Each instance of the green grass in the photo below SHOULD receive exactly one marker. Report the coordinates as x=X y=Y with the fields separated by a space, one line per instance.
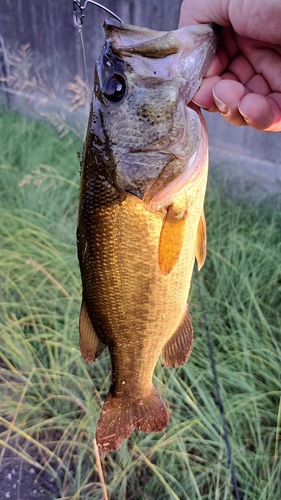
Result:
x=50 y=399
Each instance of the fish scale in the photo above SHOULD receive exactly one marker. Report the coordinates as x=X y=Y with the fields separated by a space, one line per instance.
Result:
x=137 y=245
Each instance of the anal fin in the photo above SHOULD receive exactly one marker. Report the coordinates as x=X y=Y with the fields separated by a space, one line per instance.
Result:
x=201 y=242
x=90 y=345
x=171 y=239
x=178 y=348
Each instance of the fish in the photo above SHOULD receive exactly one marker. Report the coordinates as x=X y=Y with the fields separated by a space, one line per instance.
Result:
x=141 y=221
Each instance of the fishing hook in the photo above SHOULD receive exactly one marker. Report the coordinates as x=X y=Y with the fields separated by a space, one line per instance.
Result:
x=78 y=11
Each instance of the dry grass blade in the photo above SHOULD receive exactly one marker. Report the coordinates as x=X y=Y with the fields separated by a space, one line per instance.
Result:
x=49 y=276
x=16 y=414
x=277 y=438
x=50 y=421
x=101 y=475
x=26 y=81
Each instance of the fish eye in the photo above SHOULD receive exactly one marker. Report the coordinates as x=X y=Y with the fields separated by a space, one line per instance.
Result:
x=114 y=88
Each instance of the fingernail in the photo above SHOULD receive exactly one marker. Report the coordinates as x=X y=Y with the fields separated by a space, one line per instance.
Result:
x=196 y=103
x=222 y=107
x=200 y=106
x=246 y=118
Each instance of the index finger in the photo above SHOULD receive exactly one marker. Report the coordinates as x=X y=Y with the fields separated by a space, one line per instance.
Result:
x=213 y=11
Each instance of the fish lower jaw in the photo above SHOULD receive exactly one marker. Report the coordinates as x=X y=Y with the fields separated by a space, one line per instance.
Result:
x=195 y=169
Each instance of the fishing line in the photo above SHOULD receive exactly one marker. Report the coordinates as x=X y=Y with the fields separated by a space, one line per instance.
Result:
x=84 y=59
x=218 y=393
x=78 y=16
x=4 y=70
x=78 y=11
x=78 y=21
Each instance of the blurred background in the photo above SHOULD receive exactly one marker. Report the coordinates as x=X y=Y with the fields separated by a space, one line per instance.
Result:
x=50 y=399
x=42 y=41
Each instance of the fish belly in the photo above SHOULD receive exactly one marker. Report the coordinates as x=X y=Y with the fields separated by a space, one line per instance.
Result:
x=134 y=308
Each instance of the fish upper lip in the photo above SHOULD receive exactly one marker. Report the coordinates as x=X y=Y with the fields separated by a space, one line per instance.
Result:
x=129 y=39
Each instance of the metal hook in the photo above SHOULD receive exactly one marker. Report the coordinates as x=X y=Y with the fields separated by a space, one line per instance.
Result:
x=78 y=11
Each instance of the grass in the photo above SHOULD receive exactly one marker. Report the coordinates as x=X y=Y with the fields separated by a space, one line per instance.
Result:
x=50 y=400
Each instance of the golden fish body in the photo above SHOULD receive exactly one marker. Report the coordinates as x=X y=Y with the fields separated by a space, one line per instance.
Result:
x=141 y=222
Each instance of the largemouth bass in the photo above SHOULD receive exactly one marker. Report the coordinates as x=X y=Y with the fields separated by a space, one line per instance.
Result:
x=141 y=222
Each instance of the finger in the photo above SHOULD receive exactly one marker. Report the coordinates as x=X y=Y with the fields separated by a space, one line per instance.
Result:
x=227 y=94
x=265 y=59
x=241 y=68
x=246 y=20
x=258 y=85
x=204 y=96
x=219 y=63
x=228 y=40
x=212 y=11
x=262 y=112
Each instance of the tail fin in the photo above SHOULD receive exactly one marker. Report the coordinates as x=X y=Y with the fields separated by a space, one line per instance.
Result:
x=120 y=416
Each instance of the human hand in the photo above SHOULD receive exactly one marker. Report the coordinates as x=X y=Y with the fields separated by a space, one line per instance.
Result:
x=243 y=82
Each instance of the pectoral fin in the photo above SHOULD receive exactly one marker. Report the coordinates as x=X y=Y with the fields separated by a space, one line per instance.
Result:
x=201 y=242
x=178 y=348
x=90 y=345
x=171 y=239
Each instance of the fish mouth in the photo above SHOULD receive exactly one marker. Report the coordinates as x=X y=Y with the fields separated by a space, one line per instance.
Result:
x=171 y=66
x=129 y=39
x=165 y=55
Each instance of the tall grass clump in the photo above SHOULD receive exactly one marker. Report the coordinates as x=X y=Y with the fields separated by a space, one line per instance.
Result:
x=50 y=399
